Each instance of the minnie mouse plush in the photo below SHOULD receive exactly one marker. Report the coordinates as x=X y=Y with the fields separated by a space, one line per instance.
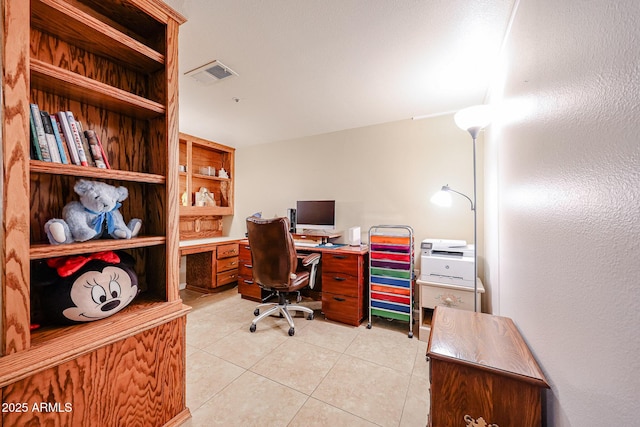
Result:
x=82 y=288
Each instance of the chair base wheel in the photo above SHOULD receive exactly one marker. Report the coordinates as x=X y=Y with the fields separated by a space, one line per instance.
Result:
x=310 y=316
x=368 y=325
x=252 y=328
x=256 y=312
x=291 y=331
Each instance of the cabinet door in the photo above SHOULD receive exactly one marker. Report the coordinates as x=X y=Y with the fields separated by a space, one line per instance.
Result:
x=202 y=269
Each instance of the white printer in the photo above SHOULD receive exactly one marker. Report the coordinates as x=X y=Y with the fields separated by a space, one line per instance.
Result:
x=447 y=261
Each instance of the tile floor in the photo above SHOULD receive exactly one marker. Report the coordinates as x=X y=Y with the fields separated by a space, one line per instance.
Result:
x=327 y=374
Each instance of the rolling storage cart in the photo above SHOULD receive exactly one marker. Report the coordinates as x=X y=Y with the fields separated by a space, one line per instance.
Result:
x=391 y=273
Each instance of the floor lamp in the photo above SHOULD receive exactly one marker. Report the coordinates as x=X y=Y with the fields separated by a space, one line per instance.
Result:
x=473 y=120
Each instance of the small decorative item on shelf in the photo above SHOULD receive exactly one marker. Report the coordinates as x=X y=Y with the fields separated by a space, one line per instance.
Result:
x=96 y=215
x=223 y=173
x=208 y=170
x=61 y=294
x=184 y=199
x=205 y=198
x=182 y=168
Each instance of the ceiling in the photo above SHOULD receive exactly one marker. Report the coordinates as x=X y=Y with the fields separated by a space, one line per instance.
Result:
x=307 y=67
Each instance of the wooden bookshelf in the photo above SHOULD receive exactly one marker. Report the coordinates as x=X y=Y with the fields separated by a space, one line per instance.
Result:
x=113 y=63
x=198 y=222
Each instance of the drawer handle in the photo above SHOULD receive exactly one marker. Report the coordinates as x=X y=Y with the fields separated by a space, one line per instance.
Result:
x=339 y=279
x=248 y=282
x=340 y=256
x=339 y=299
x=247 y=247
x=232 y=263
x=248 y=265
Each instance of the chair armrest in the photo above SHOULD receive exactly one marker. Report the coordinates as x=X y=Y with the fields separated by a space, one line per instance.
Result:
x=311 y=259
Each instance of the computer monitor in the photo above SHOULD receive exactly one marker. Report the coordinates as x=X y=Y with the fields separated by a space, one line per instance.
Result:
x=316 y=214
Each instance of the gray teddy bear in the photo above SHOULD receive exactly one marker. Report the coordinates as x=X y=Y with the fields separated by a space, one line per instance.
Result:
x=94 y=216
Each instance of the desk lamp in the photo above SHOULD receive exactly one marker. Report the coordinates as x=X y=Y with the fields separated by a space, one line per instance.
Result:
x=472 y=119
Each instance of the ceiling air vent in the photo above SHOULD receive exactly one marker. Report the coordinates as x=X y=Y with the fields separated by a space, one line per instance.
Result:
x=211 y=72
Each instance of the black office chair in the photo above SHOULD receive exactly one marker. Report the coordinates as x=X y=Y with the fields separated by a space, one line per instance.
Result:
x=275 y=267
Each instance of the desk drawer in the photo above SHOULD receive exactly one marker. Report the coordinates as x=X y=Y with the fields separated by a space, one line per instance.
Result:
x=245 y=269
x=340 y=283
x=227 y=277
x=248 y=289
x=245 y=252
x=342 y=308
x=431 y=296
x=340 y=263
x=225 y=264
x=228 y=250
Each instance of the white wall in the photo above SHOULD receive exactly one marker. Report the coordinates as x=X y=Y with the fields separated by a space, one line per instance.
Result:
x=563 y=193
x=383 y=174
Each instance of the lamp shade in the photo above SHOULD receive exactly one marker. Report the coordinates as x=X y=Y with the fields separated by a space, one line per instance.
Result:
x=476 y=117
x=441 y=198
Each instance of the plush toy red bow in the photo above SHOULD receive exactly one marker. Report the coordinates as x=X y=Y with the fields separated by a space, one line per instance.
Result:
x=66 y=266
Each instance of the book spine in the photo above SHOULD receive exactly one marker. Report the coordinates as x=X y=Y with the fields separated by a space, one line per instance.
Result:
x=62 y=143
x=85 y=144
x=56 y=134
x=68 y=136
x=37 y=154
x=103 y=151
x=42 y=139
x=76 y=137
x=51 y=139
x=95 y=148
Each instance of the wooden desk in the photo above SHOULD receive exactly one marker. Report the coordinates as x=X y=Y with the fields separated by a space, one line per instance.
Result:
x=211 y=265
x=480 y=367
x=340 y=280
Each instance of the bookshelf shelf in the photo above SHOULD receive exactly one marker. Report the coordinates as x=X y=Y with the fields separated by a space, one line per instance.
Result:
x=38 y=166
x=45 y=250
x=74 y=86
x=78 y=27
x=212 y=178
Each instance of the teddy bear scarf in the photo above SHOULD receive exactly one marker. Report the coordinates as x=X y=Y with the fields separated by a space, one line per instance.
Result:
x=101 y=217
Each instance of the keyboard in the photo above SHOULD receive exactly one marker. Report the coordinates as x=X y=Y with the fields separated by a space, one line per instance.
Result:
x=306 y=244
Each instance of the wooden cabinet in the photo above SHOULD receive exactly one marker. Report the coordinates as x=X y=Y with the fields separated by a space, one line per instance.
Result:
x=113 y=63
x=433 y=294
x=344 y=295
x=202 y=162
x=211 y=265
x=482 y=372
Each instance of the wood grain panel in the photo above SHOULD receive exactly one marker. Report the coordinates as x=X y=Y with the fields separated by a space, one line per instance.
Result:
x=494 y=344
x=459 y=391
x=51 y=50
x=14 y=141
x=136 y=381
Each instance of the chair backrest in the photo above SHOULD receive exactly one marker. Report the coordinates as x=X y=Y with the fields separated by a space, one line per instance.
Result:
x=273 y=253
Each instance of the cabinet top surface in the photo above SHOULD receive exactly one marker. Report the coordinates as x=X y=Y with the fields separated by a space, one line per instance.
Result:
x=484 y=341
x=357 y=250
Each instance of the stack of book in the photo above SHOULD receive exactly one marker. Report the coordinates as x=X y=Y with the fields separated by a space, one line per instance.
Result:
x=60 y=138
